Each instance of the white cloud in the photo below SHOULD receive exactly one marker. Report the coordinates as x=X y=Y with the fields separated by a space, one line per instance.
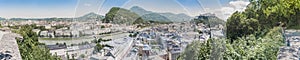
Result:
x=226 y=11
x=239 y=5
x=87 y=4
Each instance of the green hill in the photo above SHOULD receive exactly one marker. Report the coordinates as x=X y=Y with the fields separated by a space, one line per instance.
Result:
x=177 y=17
x=118 y=15
x=270 y=14
x=156 y=18
x=140 y=11
x=170 y=16
x=90 y=16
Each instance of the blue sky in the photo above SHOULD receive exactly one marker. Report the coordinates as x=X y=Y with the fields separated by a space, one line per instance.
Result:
x=75 y=8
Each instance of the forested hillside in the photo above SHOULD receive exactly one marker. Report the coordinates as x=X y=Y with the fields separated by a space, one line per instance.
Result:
x=118 y=15
x=263 y=15
x=30 y=48
x=160 y=17
x=255 y=33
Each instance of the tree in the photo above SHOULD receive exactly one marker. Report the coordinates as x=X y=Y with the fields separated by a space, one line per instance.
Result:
x=263 y=15
x=196 y=51
x=82 y=56
x=249 y=47
x=68 y=56
x=98 y=48
x=252 y=34
x=238 y=26
x=130 y=35
x=1 y=26
x=102 y=26
x=73 y=57
x=30 y=48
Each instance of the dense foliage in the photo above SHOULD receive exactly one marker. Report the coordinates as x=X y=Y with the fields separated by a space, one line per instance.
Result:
x=244 y=48
x=33 y=26
x=98 y=48
x=30 y=48
x=261 y=15
x=100 y=40
x=1 y=26
x=252 y=34
x=251 y=47
x=155 y=17
x=196 y=51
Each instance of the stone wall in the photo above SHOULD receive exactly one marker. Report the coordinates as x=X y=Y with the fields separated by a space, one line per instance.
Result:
x=8 y=46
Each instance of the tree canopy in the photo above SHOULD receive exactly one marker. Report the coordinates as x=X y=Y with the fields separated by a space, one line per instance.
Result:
x=255 y=33
x=30 y=48
x=243 y=48
x=263 y=15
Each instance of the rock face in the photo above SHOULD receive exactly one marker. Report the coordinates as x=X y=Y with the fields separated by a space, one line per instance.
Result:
x=8 y=46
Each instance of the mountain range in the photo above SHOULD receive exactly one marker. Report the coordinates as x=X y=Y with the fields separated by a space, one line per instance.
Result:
x=119 y=15
x=135 y=15
x=155 y=18
x=161 y=16
x=2 y=18
x=89 y=16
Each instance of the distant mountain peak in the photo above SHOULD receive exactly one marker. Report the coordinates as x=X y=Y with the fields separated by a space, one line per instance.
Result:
x=208 y=14
x=90 y=16
x=91 y=13
x=136 y=7
x=181 y=17
x=2 y=18
x=182 y=14
x=139 y=10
